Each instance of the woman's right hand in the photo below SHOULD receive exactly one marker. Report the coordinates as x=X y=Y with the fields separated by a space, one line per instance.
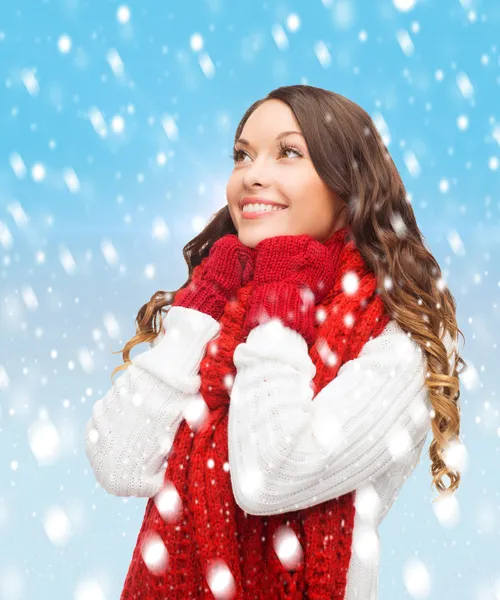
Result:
x=229 y=266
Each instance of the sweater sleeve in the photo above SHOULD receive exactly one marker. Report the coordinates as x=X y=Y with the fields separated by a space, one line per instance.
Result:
x=131 y=430
x=289 y=452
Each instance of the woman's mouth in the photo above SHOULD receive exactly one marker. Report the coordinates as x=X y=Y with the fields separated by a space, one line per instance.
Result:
x=252 y=211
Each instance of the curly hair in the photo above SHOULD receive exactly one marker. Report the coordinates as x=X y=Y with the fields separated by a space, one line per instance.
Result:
x=350 y=156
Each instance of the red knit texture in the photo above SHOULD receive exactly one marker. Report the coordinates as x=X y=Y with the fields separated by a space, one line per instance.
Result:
x=292 y=274
x=218 y=279
x=211 y=525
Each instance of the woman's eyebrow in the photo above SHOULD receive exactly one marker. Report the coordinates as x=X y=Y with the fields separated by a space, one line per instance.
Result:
x=278 y=137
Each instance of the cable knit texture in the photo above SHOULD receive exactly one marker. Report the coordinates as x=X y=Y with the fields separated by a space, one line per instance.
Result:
x=210 y=528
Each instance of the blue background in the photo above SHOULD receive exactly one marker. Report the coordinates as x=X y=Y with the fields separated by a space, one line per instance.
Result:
x=80 y=258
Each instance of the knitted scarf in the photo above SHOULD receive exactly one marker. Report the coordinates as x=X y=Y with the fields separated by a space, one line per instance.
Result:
x=210 y=532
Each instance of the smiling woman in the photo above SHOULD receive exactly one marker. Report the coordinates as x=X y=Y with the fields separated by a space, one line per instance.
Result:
x=288 y=396
x=272 y=165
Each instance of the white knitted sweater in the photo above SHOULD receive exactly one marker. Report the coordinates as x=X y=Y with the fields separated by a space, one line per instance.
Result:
x=364 y=431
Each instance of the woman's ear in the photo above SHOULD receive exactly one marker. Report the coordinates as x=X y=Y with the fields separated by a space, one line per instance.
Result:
x=342 y=218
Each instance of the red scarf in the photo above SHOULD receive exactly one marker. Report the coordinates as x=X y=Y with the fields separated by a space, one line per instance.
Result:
x=211 y=530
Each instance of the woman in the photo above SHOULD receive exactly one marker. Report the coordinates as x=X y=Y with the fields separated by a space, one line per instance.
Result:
x=289 y=393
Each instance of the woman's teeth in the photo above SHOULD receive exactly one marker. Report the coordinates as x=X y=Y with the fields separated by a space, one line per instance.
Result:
x=261 y=208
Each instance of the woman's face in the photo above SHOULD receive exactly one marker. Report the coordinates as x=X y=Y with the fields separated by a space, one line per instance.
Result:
x=263 y=169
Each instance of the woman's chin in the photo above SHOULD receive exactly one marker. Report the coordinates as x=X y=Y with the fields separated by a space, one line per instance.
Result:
x=250 y=243
x=251 y=239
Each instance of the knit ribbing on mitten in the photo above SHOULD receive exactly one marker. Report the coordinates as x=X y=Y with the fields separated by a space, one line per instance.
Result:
x=203 y=296
x=292 y=304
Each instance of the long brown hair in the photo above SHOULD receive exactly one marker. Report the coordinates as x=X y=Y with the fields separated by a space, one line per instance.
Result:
x=350 y=156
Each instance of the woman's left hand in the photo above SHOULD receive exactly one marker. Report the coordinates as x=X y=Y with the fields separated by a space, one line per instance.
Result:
x=292 y=274
x=295 y=259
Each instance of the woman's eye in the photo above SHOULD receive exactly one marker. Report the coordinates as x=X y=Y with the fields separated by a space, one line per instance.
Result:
x=237 y=153
x=289 y=149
